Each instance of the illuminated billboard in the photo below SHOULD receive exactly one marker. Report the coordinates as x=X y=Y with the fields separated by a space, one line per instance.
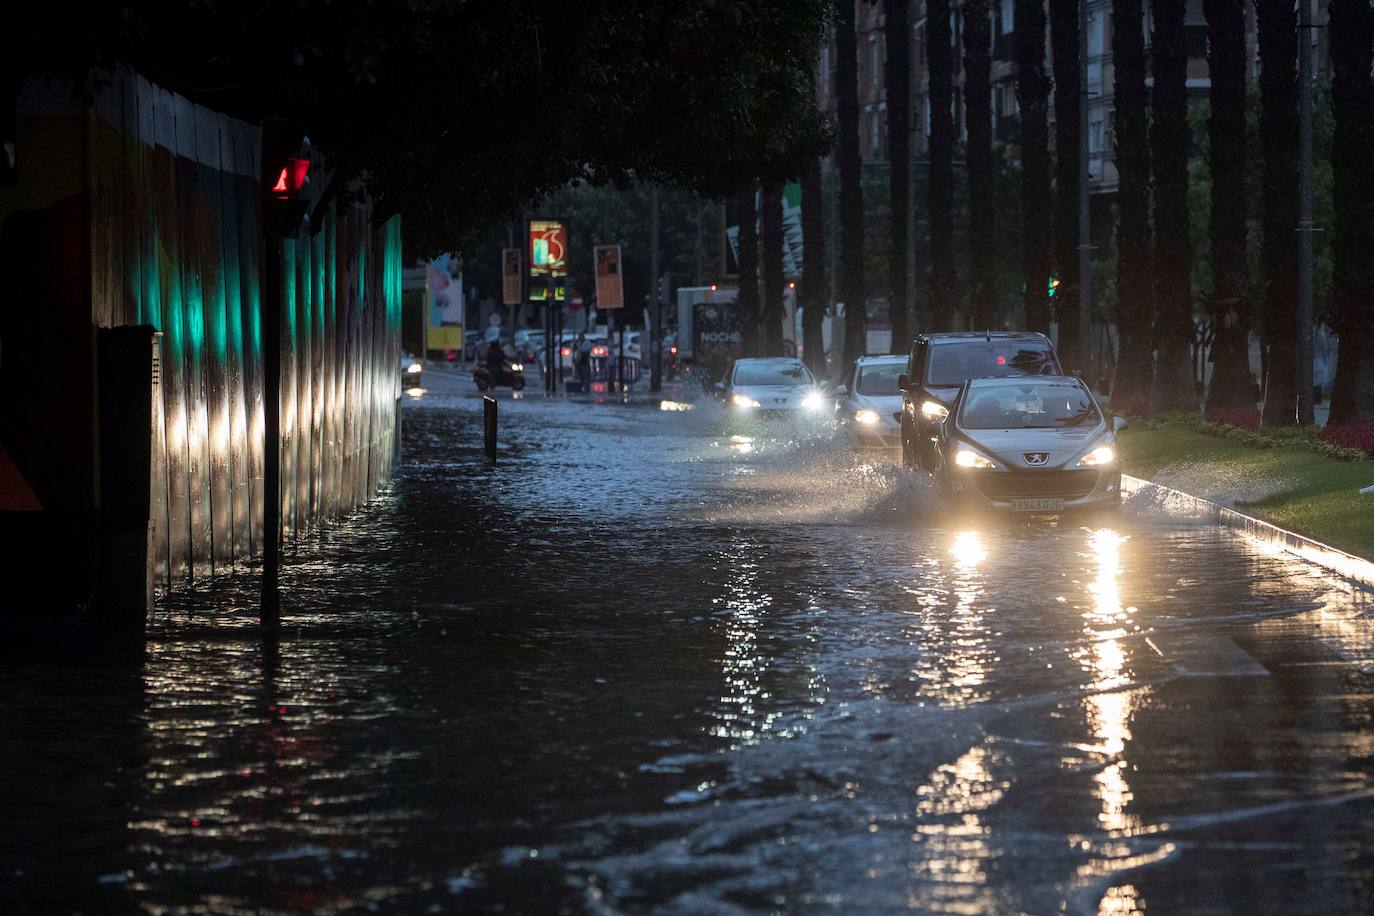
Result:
x=548 y=248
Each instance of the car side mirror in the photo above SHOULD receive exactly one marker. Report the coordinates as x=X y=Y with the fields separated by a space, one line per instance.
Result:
x=841 y=390
x=720 y=386
x=1118 y=424
x=903 y=382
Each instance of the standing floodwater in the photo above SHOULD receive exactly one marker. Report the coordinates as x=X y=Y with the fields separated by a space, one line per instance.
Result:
x=652 y=661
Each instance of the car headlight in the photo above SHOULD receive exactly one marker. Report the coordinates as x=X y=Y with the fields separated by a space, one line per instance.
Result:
x=967 y=458
x=934 y=410
x=867 y=417
x=414 y=367
x=813 y=400
x=743 y=400
x=1103 y=454
x=517 y=367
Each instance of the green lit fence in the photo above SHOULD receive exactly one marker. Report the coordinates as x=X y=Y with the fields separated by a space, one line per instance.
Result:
x=174 y=243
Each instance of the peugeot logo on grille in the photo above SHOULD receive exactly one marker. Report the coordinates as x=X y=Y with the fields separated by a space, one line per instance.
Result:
x=1036 y=458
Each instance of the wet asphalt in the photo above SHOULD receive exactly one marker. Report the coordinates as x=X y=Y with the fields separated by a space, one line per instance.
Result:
x=669 y=661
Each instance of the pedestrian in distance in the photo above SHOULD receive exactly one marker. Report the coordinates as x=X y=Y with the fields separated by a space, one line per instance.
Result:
x=584 y=362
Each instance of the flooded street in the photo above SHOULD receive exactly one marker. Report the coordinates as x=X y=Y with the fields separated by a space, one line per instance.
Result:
x=654 y=662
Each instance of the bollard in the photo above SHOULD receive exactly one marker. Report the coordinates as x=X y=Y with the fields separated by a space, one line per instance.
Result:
x=489 y=426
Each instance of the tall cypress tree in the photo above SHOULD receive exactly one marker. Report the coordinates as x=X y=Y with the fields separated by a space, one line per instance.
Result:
x=1278 y=46
x=1032 y=95
x=771 y=315
x=1169 y=146
x=852 y=285
x=1352 y=97
x=1228 y=309
x=1067 y=137
x=748 y=274
x=897 y=77
x=1134 y=300
x=813 y=269
x=982 y=240
x=940 y=190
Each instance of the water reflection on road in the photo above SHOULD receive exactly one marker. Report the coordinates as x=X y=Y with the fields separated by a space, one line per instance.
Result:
x=656 y=661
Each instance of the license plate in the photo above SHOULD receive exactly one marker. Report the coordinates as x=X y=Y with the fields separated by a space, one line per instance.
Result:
x=1038 y=505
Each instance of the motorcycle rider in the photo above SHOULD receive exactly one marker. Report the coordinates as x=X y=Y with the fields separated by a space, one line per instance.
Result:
x=496 y=360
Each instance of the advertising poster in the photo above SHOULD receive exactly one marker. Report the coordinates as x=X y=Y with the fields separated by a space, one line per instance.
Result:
x=510 y=276
x=444 y=304
x=610 y=288
x=548 y=248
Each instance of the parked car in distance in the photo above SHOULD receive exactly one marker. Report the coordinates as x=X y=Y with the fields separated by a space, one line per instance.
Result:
x=871 y=402
x=940 y=363
x=1029 y=445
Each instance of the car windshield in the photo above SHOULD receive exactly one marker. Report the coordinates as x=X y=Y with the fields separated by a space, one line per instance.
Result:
x=952 y=364
x=1029 y=406
x=880 y=379
x=794 y=374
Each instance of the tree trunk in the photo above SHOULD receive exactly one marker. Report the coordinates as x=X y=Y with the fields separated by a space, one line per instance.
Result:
x=852 y=286
x=1228 y=309
x=982 y=239
x=813 y=283
x=1352 y=99
x=1134 y=302
x=1067 y=138
x=1169 y=146
x=939 y=57
x=773 y=311
x=898 y=79
x=1279 y=140
x=1032 y=95
x=748 y=275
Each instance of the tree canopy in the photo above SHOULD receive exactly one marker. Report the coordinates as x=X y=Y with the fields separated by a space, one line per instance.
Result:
x=457 y=112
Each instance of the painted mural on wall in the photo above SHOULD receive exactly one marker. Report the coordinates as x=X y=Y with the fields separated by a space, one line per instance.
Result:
x=174 y=243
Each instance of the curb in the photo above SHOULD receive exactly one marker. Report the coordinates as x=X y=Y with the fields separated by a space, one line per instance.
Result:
x=1175 y=502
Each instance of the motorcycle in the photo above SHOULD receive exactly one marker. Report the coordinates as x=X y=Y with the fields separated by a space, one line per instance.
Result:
x=512 y=375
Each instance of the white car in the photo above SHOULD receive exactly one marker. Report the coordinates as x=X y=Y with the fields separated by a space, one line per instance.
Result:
x=774 y=388
x=871 y=402
x=411 y=371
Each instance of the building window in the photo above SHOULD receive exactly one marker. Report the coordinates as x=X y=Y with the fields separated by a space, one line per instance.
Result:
x=874 y=63
x=1006 y=22
x=1095 y=135
x=881 y=117
x=872 y=131
x=1097 y=31
x=825 y=69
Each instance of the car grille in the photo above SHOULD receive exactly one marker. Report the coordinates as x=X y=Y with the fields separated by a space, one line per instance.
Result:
x=1071 y=484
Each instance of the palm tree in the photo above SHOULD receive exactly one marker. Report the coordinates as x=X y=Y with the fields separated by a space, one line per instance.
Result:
x=773 y=311
x=852 y=284
x=813 y=268
x=940 y=192
x=1352 y=98
x=1169 y=146
x=1134 y=302
x=1227 y=307
x=1067 y=137
x=982 y=239
x=1278 y=48
x=1032 y=95
x=748 y=274
x=897 y=76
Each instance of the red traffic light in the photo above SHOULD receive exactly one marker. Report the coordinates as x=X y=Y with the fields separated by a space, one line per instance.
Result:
x=291 y=178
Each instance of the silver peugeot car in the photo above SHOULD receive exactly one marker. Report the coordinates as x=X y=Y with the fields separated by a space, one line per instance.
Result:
x=1038 y=445
x=871 y=402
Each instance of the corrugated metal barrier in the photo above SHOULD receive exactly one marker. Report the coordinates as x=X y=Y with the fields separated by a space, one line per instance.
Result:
x=175 y=244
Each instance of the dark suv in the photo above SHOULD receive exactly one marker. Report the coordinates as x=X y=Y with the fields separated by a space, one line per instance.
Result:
x=941 y=363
